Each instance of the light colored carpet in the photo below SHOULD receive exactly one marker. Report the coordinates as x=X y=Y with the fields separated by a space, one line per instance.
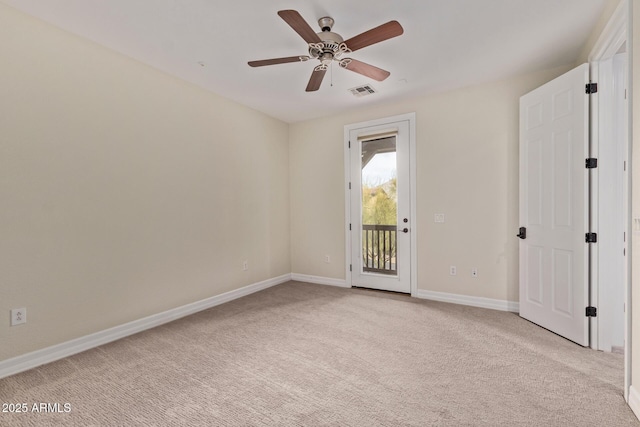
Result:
x=311 y=355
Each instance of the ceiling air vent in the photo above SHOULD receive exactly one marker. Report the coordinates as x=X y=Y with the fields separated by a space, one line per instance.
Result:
x=362 y=90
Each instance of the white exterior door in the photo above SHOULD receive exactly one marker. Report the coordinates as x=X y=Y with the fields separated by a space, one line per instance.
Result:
x=380 y=207
x=554 y=205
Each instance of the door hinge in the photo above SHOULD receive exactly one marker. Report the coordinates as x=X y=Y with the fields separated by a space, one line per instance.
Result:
x=349 y=144
x=349 y=227
x=350 y=267
x=349 y=186
x=591 y=312
x=591 y=238
x=591 y=88
x=591 y=163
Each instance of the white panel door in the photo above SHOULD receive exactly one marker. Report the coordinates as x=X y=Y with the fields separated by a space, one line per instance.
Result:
x=554 y=198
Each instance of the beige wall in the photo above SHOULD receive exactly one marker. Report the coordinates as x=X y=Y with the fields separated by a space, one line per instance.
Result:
x=467 y=168
x=124 y=192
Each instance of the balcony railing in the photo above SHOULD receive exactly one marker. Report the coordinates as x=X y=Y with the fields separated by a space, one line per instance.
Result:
x=379 y=244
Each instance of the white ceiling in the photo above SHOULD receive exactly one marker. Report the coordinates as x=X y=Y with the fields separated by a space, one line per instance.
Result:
x=446 y=43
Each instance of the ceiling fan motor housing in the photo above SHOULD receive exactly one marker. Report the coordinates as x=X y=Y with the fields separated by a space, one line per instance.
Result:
x=330 y=47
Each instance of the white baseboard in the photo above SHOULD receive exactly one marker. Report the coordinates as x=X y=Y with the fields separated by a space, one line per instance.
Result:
x=494 y=304
x=634 y=400
x=318 y=280
x=50 y=354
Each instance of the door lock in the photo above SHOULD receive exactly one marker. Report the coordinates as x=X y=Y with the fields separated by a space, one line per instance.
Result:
x=523 y=233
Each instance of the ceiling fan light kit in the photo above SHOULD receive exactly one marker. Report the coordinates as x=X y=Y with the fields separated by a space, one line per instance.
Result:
x=327 y=46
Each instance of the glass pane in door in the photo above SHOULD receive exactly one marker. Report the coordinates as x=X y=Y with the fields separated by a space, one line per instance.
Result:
x=379 y=206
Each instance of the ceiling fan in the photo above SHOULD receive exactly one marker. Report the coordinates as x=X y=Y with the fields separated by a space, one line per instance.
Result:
x=327 y=46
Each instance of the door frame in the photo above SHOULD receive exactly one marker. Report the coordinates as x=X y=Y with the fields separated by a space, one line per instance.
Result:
x=613 y=37
x=411 y=118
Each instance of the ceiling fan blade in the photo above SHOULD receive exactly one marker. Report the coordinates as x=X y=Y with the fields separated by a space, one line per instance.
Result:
x=315 y=80
x=367 y=70
x=375 y=35
x=274 y=61
x=299 y=25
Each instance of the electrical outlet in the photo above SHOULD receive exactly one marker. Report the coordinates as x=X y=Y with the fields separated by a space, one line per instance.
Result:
x=438 y=217
x=327 y=259
x=474 y=272
x=452 y=270
x=18 y=316
x=245 y=265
